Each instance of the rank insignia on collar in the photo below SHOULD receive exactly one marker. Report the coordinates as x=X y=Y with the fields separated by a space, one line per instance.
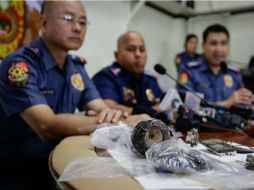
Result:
x=115 y=71
x=228 y=80
x=129 y=95
x=18 y=73
x=150 y=95
x=77 y=81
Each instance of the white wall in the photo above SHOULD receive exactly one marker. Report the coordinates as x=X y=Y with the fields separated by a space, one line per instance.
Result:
x=107 y=22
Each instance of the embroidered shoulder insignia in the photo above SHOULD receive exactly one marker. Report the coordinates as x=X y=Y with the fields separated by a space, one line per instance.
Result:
x=115 y=71
x=18 y=73
x=78 y=59
x=235 y=69
x=151 y=74
x=33 y=51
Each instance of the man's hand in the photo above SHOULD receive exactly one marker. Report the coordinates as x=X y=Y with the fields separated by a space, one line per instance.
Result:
x=104 y=114
x=133 y=120
x=108 y=115
x=241 y=96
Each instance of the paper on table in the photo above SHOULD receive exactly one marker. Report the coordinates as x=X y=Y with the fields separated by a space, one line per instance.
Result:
x=153 y=180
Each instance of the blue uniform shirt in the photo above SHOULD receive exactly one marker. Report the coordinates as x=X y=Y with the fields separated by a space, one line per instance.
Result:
x=184 y=60
x=200 y=78
x=31 y=76
x=117 y=84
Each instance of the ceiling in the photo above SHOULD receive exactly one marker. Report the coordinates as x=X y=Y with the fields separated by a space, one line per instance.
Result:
x=179 y=8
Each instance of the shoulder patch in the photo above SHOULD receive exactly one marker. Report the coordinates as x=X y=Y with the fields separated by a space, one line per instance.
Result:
x=150 y=74
x=115 y=71
x=234 y=69
x=78 y=59
x=32 y=51
x=183 y=78
x=18 y=73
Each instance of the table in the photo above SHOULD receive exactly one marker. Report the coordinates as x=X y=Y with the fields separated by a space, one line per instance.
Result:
x=76 y=146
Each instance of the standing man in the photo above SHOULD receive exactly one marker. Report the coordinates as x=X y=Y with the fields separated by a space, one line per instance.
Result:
x=40 y=87
x=124 y=85
x=213 y=77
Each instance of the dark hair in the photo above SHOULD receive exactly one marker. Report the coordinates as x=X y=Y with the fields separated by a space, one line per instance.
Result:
x=251 y=63
x=215 y=28
x=188 y=37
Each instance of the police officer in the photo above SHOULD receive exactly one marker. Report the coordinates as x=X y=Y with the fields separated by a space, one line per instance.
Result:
x=189 y=57
x=124 y=85
x=213 y=77
x=40 y=87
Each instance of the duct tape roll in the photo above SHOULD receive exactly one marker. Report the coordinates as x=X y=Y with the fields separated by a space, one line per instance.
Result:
x=147 y=133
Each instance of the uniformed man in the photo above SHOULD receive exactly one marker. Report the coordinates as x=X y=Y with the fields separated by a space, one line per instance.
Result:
x=213 y=77
x=124 y=85
x=189 y=57
x=40 y=87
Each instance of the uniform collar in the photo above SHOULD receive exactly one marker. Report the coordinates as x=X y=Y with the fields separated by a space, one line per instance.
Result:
x=204 y=66
x=126 y=74
x=47 y=58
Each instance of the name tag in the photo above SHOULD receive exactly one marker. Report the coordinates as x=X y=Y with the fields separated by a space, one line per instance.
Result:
x=47 y=91
x=204 y=85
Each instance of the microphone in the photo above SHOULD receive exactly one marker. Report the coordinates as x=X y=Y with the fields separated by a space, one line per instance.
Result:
x=162 y=70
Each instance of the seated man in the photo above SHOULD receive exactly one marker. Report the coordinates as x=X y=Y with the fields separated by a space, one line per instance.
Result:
x=212 y=76
x=124 y=85
x=40 y=87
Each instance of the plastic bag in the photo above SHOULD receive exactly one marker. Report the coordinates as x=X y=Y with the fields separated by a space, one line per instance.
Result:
x=92 y=167
x=108 y=136
x=174 y=155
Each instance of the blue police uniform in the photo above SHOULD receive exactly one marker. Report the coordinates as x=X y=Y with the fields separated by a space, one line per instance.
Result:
x=200 y=78
x=119 y=85
x=184 y=60
x=31 y=76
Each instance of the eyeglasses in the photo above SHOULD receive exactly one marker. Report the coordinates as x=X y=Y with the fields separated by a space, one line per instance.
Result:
x=71 y=20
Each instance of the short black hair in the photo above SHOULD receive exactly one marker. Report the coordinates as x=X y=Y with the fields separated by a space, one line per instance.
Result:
x=251 y=63
x=215 y=28
x=188 y=37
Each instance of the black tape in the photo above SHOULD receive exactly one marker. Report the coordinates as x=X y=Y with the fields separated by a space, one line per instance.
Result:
x=147 y=133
